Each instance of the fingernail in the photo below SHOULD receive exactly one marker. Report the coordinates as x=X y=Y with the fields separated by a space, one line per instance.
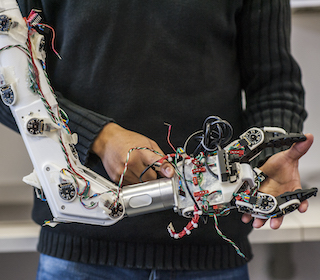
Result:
x=255 y=223
x=168 y=171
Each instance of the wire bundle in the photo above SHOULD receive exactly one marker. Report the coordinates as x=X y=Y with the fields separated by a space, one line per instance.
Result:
x=57 y=115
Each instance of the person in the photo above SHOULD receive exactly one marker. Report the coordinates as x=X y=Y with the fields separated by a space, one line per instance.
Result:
x=129 y=66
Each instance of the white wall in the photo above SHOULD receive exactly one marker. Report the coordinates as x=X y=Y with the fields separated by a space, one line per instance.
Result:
x=306 y=49
x=304 y=3
x=14 y=164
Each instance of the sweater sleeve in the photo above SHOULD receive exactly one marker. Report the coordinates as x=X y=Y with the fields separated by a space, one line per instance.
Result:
x=271 y=77
x=86 y=123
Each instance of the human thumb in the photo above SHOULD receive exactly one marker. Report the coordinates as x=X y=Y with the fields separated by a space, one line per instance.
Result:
x=299 y=149
x=167 y=169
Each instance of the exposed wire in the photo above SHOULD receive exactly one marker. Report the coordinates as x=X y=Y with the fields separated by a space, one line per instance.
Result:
x=171 y=158
x=209 y=169
x=33 y=20
x=188 y=228
x=190 y=137
x=126 y=166
x=25 y=50
x=216 y=132
x=59 y=115
x=216 y=225
x=168 y=137
x=53 y=38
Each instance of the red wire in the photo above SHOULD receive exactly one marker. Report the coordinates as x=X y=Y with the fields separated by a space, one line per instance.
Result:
x=53 y=38
x=168 y=138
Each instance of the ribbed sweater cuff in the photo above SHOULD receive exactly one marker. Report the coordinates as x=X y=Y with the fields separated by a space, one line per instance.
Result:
x=87 y=124
x=290 y=120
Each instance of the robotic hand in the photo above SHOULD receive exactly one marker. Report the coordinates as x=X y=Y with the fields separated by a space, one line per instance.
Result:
x=212 y=183
x=223 y=179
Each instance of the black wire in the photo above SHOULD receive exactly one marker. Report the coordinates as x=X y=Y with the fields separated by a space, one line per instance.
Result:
x=146 y=169
x=216 y=132
x=209 y=169
x=196 y=136
x=197 y=149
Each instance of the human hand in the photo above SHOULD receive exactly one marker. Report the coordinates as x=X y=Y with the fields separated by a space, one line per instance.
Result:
x=112 y=146
x=283 y=176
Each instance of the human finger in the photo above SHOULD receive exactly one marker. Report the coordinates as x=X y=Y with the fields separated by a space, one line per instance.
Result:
x=167 y=170
x=246 y=218
x=303 y=206
x=275 y=223
x=300 y=148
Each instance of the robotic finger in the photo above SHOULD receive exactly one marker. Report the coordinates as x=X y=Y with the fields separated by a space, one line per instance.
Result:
x=265 y=206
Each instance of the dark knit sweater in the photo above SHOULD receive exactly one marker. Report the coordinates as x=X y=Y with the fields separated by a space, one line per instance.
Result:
x=143 y=62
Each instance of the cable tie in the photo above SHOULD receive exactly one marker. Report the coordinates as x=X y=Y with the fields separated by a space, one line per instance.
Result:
x=198 y=212
x=194 y=224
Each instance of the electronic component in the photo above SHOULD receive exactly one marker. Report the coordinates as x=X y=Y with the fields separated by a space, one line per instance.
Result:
x=254 y=137
x=73 y=151
x=5 y=23
x=38 y=125
x=67 y=191
x=6 y=91
x=7 y=95
x=107 y=202
x=35 y=126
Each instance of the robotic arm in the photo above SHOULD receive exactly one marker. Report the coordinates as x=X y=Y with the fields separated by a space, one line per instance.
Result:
x=214 y=182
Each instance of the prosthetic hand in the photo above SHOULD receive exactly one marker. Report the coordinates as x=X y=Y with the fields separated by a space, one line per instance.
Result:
x=212 y=183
